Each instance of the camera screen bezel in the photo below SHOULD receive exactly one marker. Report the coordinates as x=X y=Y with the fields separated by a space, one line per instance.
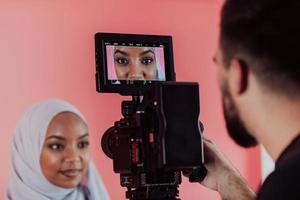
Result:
x=133 y=88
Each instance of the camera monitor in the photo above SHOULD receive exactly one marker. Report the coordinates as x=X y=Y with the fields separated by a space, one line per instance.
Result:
x=129 y=64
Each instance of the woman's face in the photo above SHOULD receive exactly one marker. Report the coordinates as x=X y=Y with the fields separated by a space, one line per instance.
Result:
x=65 y=156
x=135 y=63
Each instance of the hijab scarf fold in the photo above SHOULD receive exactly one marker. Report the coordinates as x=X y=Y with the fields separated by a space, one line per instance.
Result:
x=27 y=181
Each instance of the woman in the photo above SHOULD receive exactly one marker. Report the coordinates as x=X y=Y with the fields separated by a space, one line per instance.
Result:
x=50 y=156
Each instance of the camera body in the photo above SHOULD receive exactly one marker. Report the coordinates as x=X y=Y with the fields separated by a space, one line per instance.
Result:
x=159 y=135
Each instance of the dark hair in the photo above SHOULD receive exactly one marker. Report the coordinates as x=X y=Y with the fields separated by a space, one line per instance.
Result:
x=264 y=35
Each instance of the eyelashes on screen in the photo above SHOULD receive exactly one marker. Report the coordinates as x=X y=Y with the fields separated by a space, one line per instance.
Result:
x=121 y=61
x=147 y=61
x=124 y=61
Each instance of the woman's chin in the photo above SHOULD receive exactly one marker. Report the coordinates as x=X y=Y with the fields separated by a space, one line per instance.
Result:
x=68 y=182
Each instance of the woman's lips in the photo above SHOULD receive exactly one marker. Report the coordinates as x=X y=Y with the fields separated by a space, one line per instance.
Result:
x=71 y=173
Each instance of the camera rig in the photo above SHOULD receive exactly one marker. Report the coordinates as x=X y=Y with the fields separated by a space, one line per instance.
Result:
x=158 y=138
x=159 y=135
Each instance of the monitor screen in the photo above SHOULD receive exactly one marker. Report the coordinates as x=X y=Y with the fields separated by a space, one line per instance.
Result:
x=135 y=62
x=129 y=63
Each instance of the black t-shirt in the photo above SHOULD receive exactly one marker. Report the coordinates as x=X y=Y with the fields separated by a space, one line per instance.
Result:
x=284 y=182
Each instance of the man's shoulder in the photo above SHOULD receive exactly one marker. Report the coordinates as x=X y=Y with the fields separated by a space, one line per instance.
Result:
x=283 y=183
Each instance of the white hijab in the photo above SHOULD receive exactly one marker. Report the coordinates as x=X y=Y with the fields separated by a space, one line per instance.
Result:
x=27 y=181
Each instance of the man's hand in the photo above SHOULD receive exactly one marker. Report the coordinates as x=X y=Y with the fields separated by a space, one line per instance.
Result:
x=223 y=177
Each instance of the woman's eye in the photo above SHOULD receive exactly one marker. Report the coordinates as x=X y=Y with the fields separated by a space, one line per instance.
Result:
x=82 y=145
x=56 y=146
x=147 y=61
x=121 y=61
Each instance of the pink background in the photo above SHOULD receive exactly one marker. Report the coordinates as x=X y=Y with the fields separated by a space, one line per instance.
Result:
x=110 y=63
x=47 y=50
x=159 y=53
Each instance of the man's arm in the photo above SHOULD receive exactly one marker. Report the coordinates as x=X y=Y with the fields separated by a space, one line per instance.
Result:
x=223 y=177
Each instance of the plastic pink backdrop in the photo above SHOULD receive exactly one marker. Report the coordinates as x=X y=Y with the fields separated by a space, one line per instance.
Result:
x=47 y=50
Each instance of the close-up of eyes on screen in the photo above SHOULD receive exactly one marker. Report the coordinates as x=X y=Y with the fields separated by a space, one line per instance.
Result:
x=135 y=63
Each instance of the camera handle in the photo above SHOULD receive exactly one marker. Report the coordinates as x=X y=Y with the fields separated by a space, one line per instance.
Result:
x=198 y=174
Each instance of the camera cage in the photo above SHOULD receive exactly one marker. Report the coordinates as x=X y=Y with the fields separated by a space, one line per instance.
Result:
x=130 y=87
x=159 y=177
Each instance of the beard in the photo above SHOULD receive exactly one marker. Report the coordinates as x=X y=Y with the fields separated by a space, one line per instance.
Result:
x=234 y=124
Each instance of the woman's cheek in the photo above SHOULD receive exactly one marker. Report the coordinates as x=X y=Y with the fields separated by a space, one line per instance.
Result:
x=52 y=160
x=121 y=72
x=151 y=72
x=85 y=161
x=86 y=157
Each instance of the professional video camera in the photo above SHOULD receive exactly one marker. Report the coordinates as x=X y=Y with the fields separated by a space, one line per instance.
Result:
x=160 y=135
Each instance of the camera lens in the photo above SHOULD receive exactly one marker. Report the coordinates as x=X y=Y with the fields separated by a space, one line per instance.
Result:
x=106 y=142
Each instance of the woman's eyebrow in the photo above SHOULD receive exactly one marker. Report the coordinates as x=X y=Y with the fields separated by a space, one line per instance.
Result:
x=146 y=52
x=121 y=52
x=56 y=137
x=83 y=136
x=62 y=138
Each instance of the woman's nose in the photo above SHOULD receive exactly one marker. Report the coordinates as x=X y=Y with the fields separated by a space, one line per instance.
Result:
x=135 y=72
x=72 y=155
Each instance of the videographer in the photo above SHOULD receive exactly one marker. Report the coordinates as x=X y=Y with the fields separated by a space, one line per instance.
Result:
x=259 y=76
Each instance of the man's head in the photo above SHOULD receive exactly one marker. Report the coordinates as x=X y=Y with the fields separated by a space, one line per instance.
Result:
x=261 y=38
